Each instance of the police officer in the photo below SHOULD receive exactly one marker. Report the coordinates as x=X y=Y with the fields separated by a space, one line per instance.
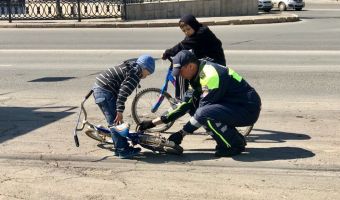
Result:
x=222 y=100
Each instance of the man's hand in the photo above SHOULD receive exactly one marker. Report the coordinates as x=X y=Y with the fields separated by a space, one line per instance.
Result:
x=177 y=137
x=119 y=118
x=147 y=124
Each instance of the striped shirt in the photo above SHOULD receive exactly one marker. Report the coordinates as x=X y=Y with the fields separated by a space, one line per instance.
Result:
x=121 y=80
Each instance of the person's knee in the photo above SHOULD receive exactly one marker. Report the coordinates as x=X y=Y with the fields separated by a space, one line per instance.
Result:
x=201 y=115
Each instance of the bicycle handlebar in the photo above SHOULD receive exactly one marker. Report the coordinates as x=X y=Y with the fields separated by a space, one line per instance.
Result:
x=82 y=109
x=76 y=140
x=88 y=95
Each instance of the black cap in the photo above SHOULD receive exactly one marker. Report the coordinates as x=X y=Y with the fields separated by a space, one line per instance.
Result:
x=182 y=58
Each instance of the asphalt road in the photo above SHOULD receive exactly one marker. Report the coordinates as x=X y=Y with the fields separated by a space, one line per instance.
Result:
x=293 y=151
x=318 y=30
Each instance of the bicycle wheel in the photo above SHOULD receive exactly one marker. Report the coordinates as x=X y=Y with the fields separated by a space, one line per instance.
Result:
x=160 y=144
x=142 y=104
x=245 y=130
x=99 y=136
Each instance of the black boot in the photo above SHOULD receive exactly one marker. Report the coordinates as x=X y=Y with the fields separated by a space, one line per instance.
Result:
x=237 y=142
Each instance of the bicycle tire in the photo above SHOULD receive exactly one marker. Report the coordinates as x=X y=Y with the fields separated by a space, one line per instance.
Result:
x=99 y=136
x=160 y=144
x=142 y=110
x=245 y=131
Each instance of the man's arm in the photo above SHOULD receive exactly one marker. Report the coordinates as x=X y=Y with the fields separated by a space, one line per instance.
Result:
x=180 y=110
x=186 y=44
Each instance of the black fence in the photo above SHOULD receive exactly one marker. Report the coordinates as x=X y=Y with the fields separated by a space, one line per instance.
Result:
x=61 y=9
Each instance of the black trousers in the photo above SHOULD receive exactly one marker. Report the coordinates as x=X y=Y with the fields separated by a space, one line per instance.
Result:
x=221 y=119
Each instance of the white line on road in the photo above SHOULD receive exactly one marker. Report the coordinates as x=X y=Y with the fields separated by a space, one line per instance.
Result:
x=291 y=52
x=321 y=9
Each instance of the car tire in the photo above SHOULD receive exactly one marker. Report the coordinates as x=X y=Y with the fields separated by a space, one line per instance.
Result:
x=282 y=7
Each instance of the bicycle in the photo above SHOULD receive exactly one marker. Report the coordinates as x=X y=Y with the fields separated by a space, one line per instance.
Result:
x=148 y=105
x=155 y=142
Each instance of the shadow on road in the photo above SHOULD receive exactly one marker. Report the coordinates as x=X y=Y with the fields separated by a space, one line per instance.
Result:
x=251 y=154
x=17 y=121
x=159 y=158
x=273 y=153
x=272 y=136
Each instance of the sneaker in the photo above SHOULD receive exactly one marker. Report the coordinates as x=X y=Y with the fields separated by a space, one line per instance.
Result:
x=115 y=153
x=229 y=152
x=127 y=153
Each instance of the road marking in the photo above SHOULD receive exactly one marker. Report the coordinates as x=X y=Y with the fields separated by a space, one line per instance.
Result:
x=321 y=9
x=292 y=52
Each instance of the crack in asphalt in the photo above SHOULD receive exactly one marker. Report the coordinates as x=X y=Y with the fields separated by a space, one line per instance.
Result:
x=241 y=42
x=75 y=160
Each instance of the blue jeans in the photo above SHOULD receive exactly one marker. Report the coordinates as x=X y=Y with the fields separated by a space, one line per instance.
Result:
x=107 y=104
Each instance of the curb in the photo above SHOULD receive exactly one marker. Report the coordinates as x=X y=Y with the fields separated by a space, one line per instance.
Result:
x=243 y=20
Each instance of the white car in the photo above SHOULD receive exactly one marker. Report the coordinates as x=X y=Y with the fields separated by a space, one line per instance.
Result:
x=289 y=4
x=265 y=5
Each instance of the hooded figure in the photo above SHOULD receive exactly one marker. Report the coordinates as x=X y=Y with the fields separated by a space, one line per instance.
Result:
x=202 y=42
x=191 y=21
x=199 y=39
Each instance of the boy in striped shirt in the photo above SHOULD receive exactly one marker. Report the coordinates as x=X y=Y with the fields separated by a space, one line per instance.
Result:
x=111 y=90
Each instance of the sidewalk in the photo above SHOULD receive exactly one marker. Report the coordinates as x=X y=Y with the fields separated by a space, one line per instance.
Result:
x=261 y=18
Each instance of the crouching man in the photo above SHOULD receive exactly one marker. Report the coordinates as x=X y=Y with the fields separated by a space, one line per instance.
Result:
x=222 y=100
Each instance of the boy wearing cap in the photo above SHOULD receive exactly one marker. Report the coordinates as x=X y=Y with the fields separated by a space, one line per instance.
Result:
x=111 y=90
x=226 y=101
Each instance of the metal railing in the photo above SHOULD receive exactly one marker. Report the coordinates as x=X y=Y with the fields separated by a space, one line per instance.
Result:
x=60 y=9
x=148 y=1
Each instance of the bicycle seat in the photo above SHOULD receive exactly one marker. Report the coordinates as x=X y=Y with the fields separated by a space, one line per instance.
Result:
x=121 y=129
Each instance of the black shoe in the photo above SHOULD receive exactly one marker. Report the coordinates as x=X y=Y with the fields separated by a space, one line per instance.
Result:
x=217 y=147
x=229 y=152
x=243 y=139
x=238 y=140
x=234 y=138
x=176 y=137
x=128 y=152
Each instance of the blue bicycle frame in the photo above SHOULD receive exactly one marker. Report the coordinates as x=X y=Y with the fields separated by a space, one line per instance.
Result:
x=169 y=77
x=134 y=137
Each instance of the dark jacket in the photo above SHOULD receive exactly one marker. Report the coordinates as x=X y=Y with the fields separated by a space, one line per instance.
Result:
x=204 y=44
x=219 y=84
x=214 y=84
